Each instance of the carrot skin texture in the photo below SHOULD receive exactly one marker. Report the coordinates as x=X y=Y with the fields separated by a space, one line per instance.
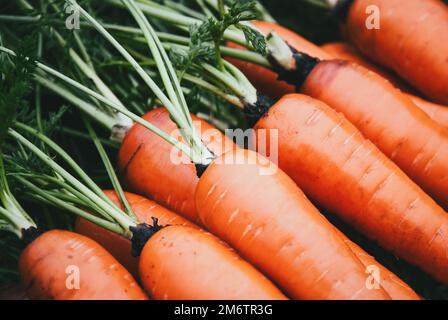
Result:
x=274 y=226
x=406 y=134
x=265 y=80
x=336 y=166
x=146 y=165
x=344 y=51
x=412 y=41
x=119 y=246
x=209 y=269
x=44 y=262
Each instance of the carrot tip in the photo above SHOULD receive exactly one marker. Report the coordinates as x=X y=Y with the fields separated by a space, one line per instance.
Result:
x=304 y=64
x=200 y=169
x=256 y=111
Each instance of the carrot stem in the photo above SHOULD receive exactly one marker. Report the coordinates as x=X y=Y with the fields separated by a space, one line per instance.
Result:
x=113 y=212
x=64 y=205
x=12 y=211
x=110 y=169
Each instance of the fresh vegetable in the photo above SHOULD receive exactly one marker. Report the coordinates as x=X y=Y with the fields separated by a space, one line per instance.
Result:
x=119 y=246
x=344 y=51
x=47 y=263
x=388 y=118
x=209 y=269
x=272 y=224
x=192 y=144
x=412 y=40
x=331 y=160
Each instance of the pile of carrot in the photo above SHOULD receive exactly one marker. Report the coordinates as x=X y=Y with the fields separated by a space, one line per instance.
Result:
x=361 y=133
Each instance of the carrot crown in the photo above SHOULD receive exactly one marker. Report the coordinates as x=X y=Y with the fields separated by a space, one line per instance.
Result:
x=142 y=233
x=290 y=65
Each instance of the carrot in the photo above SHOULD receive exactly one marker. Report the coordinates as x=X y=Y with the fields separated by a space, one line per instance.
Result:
x=180 y=263
x=412 y=41
x=264 y=79
x=119 y=246
x=344 y=51
x=271 y=223
x=48 y=261
x=389 y=119
x=331 y=160
x=146 y=165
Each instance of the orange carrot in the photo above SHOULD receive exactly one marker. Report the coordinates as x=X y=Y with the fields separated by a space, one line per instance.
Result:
x=180 y=263
x=119 y=246
x=412 y=40
x=272 y=224
x=146 y=165
x=344 y=51
x=388 y=118
x=337 y=167
x=47 y=263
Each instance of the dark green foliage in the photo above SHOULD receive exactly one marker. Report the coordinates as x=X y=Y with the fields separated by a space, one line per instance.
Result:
x=15 y=84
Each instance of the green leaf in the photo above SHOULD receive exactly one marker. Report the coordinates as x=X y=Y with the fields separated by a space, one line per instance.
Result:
x=212 y=30
x=255 y=38
x=15 y=84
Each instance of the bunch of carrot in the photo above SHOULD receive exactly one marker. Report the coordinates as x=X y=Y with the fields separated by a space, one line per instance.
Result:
x=224 y=222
